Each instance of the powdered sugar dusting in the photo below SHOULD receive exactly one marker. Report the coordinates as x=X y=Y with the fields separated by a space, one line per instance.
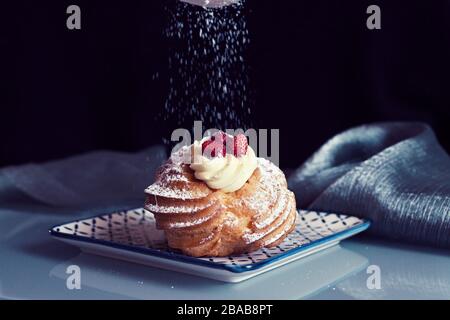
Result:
x=189 y=223
x=267 y=193
x=252 y=237
x=278 y=235
x=231 y=220
x=275 y=212
x=173 y=182
x=177 y=177
x=167 y=192
x=208 y=238
x=177 y=209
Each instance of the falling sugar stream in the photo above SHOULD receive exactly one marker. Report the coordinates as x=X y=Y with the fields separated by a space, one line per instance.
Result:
x=208 y=76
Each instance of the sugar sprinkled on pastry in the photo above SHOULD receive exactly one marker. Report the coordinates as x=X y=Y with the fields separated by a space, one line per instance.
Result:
x=216 y=198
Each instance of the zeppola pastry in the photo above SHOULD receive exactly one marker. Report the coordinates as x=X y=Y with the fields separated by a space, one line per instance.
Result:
x=216 y=198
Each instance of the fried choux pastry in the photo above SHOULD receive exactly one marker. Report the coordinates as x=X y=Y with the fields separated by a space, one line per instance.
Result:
x=216 y=198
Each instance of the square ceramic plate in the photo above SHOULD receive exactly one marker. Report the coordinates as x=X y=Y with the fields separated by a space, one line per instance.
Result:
x=132 y=236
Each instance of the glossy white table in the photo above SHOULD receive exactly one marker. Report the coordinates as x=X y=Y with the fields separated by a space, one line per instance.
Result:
x=33 y=265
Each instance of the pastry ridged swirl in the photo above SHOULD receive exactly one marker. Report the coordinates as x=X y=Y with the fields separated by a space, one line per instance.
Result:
x=201 y=221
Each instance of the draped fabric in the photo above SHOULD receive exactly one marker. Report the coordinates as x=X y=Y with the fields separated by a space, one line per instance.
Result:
x=395 y=174
x=102 y=178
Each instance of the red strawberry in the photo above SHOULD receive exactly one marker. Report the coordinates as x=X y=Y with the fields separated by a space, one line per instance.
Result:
x=215 y=145
x=240 y=145
x=220 y=136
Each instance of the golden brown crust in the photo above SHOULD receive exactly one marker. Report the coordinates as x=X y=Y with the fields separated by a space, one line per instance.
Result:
x=201 y=221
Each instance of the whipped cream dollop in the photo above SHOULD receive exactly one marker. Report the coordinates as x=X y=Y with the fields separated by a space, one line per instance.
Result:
x=226 y=173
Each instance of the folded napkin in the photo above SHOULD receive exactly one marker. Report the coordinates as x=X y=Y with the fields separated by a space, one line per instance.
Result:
x=395 y=174
x=102 y=178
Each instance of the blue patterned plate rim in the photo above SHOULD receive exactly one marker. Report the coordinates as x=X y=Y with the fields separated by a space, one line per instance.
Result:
x=364 y=225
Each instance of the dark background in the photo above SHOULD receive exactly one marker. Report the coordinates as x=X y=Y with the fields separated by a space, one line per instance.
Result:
x=315 y=70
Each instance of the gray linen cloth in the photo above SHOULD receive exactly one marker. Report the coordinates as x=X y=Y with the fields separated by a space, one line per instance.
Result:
x=395 y=174
x=101 y=178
